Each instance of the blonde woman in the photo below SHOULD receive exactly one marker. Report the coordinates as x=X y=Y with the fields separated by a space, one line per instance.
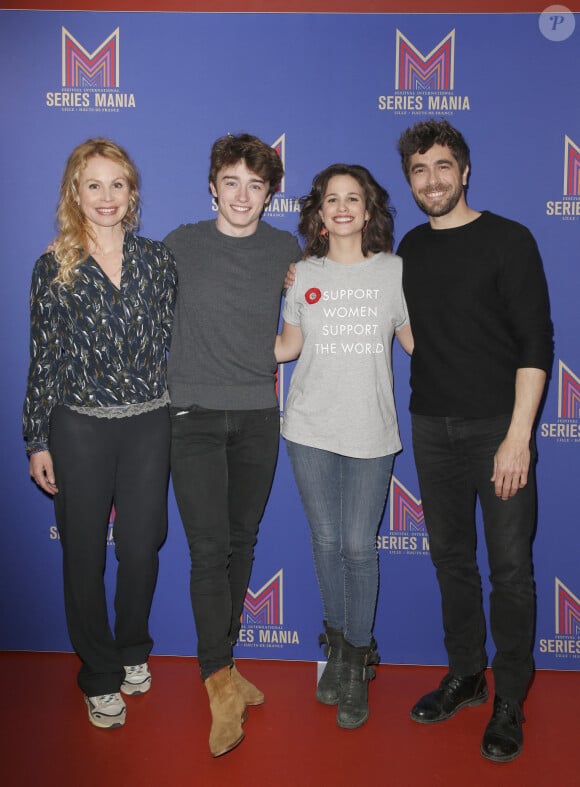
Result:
x=96 y=421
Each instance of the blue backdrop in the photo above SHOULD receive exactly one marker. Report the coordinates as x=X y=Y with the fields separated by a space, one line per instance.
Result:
x=320 y=88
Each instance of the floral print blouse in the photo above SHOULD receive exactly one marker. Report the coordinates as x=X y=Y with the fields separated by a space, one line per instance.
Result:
x=93 y=344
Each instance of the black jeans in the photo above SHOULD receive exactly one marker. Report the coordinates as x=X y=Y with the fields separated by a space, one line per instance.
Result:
x=97 y=462
x=222 y=465
x=454 y=458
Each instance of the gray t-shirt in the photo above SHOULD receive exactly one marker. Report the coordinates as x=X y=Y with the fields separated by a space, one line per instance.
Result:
x=341 y=392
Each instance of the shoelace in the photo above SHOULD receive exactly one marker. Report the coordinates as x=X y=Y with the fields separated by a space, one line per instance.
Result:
x=107 y=699
x=452 y=683
x=137 y=669
x=511 y=711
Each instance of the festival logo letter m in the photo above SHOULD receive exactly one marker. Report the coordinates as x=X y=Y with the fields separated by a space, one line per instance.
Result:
x=415 y=71
x=568 y=393
x=405 y=510
x=280 y=147
x=567 y=611
x=571 y=168
x=99 y=69
x=265 y=607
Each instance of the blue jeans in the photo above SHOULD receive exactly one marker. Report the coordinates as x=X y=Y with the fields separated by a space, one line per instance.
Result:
x=222 y=465
x=344 y=499
x=454 y=458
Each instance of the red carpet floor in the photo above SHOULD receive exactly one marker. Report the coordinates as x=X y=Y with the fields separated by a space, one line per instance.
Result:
x=291 y=741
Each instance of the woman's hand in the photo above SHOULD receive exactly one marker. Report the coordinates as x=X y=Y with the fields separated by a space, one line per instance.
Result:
x=42 y=471
x=288 y=343
x=290 y=276
x=405 y=337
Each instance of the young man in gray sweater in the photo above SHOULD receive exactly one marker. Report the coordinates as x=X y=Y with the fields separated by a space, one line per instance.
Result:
x=225 y=413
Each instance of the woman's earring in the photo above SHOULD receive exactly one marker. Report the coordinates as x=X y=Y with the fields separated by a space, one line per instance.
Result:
x=323 y=232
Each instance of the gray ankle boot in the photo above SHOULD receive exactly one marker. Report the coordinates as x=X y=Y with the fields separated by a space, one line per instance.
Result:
x=328 y=689
x=357 y=670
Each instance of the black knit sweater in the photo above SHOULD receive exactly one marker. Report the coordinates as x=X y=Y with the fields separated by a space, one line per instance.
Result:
x=479 y=310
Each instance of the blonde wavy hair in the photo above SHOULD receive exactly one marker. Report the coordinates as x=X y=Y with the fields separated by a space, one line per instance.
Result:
x=75 y=234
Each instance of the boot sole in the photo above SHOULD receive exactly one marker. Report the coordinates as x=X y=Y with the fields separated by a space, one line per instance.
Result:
x=327 y=700
x=472 y=703
x=255 y=703
x=229 y=748
x=352 y=726
x=505 y=758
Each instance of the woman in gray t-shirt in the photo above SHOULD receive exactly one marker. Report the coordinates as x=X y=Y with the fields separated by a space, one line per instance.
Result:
x=340 y=424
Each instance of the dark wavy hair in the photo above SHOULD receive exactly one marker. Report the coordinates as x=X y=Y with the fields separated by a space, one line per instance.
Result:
x=422 y=136
x=258 y=156
x=379 y=231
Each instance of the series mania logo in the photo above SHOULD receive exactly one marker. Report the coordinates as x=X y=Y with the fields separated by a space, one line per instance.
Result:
x=566 y=640
x=90 y=81
x=263 y=617
x=424 y=83
x=280 y=204
x=568 y=208
x=407 y=533
x=567 y=427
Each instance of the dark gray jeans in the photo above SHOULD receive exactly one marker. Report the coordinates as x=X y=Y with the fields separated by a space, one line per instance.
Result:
x=454 y=458
x=222 y=465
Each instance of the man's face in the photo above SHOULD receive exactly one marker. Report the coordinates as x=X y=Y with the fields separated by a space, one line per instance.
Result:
x=436 y=182
x=241 y=197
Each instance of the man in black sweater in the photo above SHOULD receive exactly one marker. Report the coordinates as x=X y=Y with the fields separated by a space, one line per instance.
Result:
x=479 y=309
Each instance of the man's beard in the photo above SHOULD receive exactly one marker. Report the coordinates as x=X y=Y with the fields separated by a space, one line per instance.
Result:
x=444 y=206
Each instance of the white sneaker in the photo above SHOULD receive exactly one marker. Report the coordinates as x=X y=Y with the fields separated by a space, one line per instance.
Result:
x=137 y=679
x=106 y=710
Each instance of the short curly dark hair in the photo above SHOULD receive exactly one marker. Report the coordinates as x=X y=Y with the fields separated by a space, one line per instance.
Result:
x=379 y=231
x=258 y=156
x=423 y=135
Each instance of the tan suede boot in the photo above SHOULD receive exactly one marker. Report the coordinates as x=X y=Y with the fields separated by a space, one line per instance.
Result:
x=249 y=693
x=227 y=712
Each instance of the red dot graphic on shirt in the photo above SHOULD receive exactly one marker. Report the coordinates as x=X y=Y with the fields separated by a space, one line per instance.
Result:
x=313 y=295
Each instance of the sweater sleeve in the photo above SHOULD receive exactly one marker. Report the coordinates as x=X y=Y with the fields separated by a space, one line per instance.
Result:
x=523 y=287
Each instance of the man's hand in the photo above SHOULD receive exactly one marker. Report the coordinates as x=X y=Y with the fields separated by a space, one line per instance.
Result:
x=510 y=467
x=42 y=472
x=512 y=460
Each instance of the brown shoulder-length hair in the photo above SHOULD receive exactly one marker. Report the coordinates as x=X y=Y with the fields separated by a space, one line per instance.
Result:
x=378 y=234
x=75 y=234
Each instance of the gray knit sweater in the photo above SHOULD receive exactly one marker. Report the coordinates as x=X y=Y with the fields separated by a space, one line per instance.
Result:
x=226 y=316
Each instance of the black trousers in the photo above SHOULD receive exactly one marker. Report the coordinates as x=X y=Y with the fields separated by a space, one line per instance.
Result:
x=98 y=462
x=454 y=458
x=222 y=466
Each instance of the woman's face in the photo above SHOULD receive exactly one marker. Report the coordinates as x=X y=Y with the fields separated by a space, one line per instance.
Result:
x=343 y=206
x=103 y=192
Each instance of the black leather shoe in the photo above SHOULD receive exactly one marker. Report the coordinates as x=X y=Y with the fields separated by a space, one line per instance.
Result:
x=503 y=738
x=454 y=693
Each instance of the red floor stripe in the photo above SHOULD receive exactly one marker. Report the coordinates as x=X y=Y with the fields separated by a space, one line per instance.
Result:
x=291 y=741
